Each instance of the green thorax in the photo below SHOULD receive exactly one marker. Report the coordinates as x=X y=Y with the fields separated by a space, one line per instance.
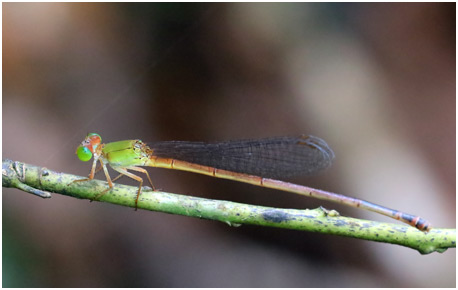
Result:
x=126 y=153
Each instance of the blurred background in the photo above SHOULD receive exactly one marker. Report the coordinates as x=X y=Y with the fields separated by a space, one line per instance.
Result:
x=376 y=81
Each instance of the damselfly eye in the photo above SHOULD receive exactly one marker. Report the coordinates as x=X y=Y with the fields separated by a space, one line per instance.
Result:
x=84 y=154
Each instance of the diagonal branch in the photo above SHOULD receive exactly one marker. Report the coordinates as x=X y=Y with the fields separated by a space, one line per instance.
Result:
x=40 y=181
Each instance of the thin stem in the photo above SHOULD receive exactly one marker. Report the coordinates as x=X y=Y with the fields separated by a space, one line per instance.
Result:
x=40 y=181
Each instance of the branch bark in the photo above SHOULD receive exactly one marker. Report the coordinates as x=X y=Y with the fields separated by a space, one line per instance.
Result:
x=41 y=181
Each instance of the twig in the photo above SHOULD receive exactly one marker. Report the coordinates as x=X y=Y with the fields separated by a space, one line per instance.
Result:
x=40 y=181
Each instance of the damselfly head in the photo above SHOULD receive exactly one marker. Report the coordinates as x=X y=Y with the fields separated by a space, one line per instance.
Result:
x=88 y=146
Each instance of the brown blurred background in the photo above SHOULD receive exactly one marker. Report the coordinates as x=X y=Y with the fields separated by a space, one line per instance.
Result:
x=376 y=81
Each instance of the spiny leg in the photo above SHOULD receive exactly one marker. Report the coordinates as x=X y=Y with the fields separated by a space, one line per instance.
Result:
x=117 y=177
x=98 y=169
x=110 y=183
x=139 y=169
x=91 y=175
x=123 y=171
